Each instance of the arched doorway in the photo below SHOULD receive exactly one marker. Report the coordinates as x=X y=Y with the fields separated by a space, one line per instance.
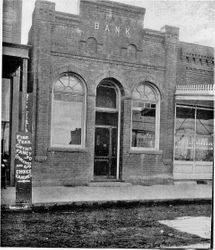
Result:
x=107 y=131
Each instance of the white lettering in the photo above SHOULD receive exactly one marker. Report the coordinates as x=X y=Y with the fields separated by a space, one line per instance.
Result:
x=96 y=26
x=107 y=28
x=117 y=29
x=127 y=31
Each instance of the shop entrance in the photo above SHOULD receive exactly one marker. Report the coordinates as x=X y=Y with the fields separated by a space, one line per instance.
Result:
x=14 y=92
x=105 y=152
x=107 y=133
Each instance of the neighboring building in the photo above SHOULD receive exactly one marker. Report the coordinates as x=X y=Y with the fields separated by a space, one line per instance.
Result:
x=14 y=83
x=113 y=101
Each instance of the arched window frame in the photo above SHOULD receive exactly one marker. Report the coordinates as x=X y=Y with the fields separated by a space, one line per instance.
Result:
x=109 y=84
x=157 y=117
x=83 y=115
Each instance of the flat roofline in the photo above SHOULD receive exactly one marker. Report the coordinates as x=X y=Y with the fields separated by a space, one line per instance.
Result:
x=15 y=50
x=118 y=5
x=196 y=44
x=16 y=45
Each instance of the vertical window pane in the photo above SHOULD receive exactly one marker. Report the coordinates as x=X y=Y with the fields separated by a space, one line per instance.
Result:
x=204 y=135
x=102 y=143
x=143 y=128
x=185 y=133
x=144 y=105
x=67 y=123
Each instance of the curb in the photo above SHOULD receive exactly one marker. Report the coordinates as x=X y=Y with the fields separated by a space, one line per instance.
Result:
x=58 y=206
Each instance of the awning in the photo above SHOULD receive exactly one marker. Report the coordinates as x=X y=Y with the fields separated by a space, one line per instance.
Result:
x=195 y=92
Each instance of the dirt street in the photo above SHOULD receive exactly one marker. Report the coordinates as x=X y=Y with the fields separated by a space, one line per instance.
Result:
x=116 y=227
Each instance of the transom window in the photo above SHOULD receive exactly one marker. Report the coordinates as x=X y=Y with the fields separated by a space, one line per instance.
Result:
x=106 y=96
x=68 y=106
x=145 y=117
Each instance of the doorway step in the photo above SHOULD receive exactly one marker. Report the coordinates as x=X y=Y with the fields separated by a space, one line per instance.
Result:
x=109 y=184
x=178 y=182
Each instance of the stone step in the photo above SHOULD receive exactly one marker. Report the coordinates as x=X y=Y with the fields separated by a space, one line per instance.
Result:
x=179 y=182
x=109 y=184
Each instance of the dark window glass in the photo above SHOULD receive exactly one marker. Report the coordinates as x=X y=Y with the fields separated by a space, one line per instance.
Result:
x=106 y=97
x=102 y=142
x=103 y=118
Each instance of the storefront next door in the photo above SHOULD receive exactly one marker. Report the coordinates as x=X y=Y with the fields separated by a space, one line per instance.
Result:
x=194 y=129
x=14 y=89
x=105 y=165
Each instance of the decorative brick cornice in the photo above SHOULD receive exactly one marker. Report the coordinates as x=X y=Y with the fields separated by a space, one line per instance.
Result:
x=199 y=70
x=109 y=61
x=197 y=59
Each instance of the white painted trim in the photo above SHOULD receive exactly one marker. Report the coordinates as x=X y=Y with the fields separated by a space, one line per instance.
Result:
x=196 y=97
x=118 y=134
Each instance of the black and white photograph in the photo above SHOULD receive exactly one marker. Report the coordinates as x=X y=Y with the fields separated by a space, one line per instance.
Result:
x=107 y=124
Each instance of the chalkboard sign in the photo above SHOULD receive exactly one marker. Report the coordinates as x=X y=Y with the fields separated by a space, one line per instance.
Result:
x=23 y=168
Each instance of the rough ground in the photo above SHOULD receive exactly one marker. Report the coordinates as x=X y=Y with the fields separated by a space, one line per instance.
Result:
x=122 y=227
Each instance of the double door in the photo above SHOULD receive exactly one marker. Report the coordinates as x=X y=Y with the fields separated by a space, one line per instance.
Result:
x=106 y=153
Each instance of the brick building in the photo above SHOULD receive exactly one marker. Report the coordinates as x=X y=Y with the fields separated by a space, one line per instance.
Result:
x=114 y=101
x=15 y=58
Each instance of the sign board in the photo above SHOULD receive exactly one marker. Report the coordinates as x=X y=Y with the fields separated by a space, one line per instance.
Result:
x=23 y=168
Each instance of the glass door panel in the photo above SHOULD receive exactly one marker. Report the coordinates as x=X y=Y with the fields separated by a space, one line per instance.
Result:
x=102 y=144
x=184 y=133
x=204 y=135
x=105 y=164
x=114 y=140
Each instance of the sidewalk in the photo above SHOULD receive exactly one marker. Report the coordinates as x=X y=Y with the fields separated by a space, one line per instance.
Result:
x=61 y=195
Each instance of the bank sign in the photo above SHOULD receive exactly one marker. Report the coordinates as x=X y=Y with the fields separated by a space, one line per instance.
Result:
x=112 y=29
x=23 y=168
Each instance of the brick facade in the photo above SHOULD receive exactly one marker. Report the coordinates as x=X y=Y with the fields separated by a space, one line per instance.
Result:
x=12 y=15
x=107 y=40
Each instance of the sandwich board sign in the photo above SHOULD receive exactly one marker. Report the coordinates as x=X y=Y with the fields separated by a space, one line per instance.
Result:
x=23 y=168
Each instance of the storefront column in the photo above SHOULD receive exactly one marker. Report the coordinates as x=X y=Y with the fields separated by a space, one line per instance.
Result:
x=167 y=119
x=24 y=92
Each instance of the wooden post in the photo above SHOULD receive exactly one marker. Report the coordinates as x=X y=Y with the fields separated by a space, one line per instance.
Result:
x=14 y=120
x=24 y=91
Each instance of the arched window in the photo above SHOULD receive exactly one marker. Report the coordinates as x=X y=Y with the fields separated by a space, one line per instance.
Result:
x=145 y=117
x=132 y=51
x=91 y=45
x=68 y=111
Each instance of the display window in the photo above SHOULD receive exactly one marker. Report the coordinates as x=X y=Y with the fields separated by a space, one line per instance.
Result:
x=145 y=117
x=68 y=111
x=194 y=133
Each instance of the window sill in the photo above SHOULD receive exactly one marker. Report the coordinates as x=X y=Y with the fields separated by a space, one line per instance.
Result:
x=67 y=149
x=146 y=151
